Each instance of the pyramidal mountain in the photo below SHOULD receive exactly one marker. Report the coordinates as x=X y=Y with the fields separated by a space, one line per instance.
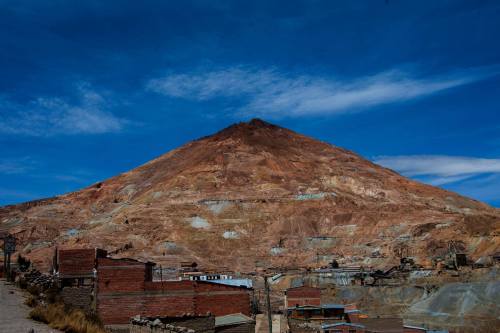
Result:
x=257 y=195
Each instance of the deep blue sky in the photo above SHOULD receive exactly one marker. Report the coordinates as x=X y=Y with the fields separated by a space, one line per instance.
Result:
x=91 y=89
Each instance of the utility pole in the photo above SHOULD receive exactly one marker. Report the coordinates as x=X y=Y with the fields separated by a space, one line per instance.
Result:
x=268 y=303
x=9 y=247
x=5 y=269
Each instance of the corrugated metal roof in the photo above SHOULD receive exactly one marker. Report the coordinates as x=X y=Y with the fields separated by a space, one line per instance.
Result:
x=326 y=326
x=424 y=329
x=232 y=319
x=333 y=306
x=234 y=282
x=323 y=306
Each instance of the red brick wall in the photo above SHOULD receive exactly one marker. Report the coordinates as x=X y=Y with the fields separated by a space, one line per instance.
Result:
x=168 y=305
x=171 y=298
x=119 y=309
x=221 y=299
x=76 y=262
x=115 y=275
x=303 y=296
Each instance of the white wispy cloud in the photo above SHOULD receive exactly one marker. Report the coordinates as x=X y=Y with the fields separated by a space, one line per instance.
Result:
x=46 y=116
x=36 y=169
x=440 y=169
x=272 y=93
x=13 y=166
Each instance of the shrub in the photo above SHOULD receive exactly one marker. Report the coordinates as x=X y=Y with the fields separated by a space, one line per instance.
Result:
x=34 y=290
x=23 y=284
x=31 y=301
x=59 y=317
x=52 y=294
x=23 y=263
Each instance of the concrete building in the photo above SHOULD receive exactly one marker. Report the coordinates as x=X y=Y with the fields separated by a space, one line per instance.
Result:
x=76 y=273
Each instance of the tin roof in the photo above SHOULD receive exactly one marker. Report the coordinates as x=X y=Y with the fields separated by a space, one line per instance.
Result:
x=326 y=326
x=234 y=282
x=302 y=287
x=425 y=330
x=332 y=306
x=232 y=319
x=312 y=307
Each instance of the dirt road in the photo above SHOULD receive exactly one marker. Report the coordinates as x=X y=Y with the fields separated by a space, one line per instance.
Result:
x=14 y=313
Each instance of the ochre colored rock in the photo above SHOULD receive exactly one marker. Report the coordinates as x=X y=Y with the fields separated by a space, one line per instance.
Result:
x=257 y=195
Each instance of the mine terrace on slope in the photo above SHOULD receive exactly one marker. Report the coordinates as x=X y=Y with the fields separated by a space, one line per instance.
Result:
x=257 y=195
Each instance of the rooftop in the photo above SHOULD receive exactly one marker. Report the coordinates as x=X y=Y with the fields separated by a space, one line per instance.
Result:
x=327 y=326
x=313 y=307
x=232 y=319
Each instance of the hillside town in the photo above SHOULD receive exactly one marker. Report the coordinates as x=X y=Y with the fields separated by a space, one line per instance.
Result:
x=263 y=166
x=127 y=295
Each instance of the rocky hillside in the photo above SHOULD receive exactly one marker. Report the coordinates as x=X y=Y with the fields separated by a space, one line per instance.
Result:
x=255 y=194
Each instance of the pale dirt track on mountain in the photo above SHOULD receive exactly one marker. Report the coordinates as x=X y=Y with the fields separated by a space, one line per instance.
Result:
x=14 y=313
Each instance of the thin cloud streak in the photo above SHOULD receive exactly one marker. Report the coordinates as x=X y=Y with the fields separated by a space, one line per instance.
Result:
x=440 y=169
x=482 y=188
x=273 y=94
x=52 y=116
x=15 y=166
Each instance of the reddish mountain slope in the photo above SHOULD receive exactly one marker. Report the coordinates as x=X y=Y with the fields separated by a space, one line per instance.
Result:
x=257 y=194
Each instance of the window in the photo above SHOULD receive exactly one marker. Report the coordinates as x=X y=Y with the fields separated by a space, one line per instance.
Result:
x=337 y=331
x=352 y=331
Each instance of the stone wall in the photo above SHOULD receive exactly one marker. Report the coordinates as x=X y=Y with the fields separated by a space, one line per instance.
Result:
x=78 y=297
x=185 y=324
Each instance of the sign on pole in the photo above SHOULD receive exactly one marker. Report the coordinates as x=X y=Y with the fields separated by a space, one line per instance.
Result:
x=9 y=244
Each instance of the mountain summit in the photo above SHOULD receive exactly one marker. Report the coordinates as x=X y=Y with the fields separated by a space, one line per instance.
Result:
x=256 y=194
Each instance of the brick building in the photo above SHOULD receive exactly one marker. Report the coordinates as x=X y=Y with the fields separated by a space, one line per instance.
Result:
x=76 y=271
x=119 y=289
x=303 y=295
x=310 y=318
x=75 y=264
x=128 y=283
